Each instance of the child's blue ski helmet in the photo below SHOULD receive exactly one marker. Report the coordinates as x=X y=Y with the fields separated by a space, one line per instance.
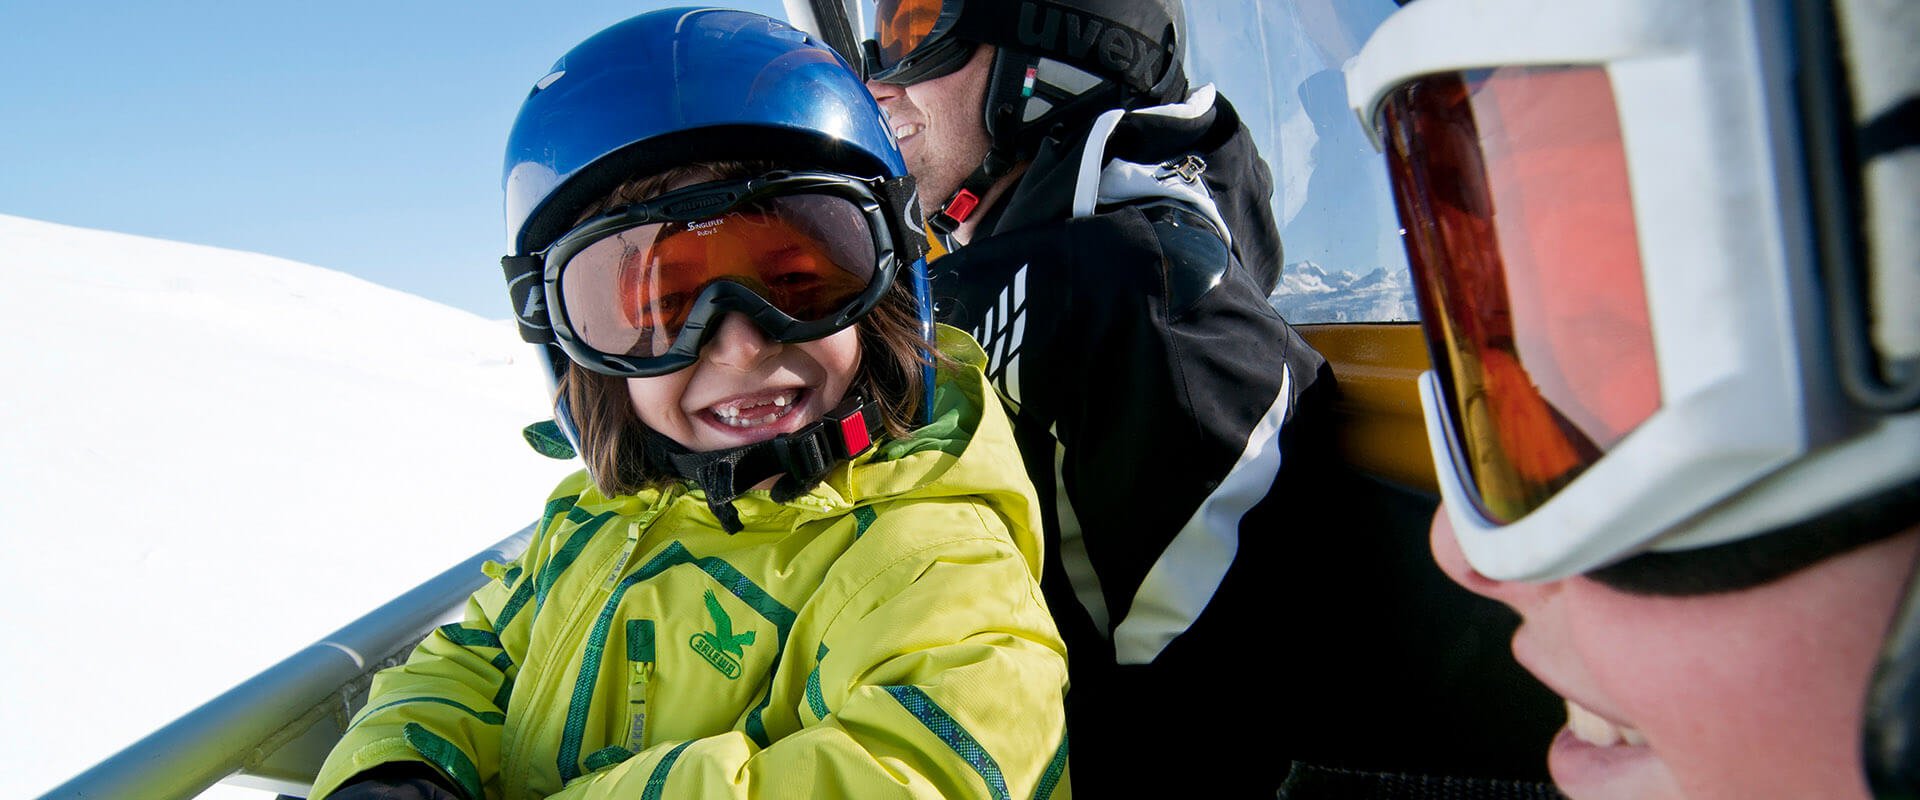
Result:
x=674 y=87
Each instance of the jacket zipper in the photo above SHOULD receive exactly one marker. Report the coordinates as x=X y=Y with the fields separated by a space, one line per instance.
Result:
x=514 y=763
x=639 y=693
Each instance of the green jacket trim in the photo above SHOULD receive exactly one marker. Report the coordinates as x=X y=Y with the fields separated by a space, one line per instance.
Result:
x=756 y=722
x=606 y=757
x=488 y=717
x=474 y=637
x=521 y=594
x=556 y=507
x=1051 y=778
x=657 y=782
x=525 y=591
x=469 y=637
x=950 y=731
x=744 y=588
x=444 y=755
x=501 y=697
x=564 y=559
x=815 y=700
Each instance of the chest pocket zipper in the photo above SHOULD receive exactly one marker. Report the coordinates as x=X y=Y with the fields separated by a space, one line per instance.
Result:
x=640 y=668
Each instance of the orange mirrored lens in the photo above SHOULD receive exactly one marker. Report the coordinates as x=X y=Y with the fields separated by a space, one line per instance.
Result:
x=630 y=293
x=1513 y=186
x=901 y=25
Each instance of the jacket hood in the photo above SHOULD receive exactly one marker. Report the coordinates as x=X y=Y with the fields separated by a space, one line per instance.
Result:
x=1206 y=125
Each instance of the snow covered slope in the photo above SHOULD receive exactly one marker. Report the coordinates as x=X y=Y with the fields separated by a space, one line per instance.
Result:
x=209 y=459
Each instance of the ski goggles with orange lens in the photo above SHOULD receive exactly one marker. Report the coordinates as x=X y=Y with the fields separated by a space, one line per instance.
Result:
x=635 y=291
x=1612 y=240
x=1538 y=308
x=910 y=42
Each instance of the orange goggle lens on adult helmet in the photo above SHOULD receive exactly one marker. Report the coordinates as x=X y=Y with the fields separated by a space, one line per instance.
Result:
x=913 y=42
x=633 y=291
x=901 y=26
x=1520 y=229
x=1134 y=42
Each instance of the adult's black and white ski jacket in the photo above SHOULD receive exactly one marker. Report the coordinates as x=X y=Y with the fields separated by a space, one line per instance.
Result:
x=1166 y=414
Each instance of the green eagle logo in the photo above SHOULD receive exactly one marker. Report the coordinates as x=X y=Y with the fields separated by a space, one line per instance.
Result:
x=722 y=648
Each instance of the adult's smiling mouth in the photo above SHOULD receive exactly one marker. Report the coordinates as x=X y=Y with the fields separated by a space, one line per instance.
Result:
x=1596 y=757
x=905 y=130
x=1599 y=731
x=1593 y=756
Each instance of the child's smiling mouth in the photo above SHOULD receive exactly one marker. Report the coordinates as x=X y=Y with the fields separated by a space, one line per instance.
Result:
x=747 y=412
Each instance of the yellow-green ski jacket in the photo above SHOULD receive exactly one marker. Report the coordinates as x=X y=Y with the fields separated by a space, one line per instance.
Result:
x=880 y=636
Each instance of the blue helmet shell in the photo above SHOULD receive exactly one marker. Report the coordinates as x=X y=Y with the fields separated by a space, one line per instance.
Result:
x=681 y=85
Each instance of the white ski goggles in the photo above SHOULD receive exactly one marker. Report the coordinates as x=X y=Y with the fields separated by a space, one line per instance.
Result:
x=1608 y=215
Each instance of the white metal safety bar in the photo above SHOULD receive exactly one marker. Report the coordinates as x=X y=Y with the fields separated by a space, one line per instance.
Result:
x=273 y=731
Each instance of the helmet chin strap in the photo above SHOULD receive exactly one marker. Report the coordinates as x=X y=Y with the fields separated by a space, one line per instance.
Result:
x=999 y=117
x=964 y=202
x=1015 y=80
x=802 y=458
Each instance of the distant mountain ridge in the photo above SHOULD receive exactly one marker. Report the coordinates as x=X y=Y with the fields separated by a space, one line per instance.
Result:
x=1309 y=293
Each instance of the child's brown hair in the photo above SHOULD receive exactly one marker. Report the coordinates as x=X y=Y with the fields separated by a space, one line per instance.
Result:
x=892 y=354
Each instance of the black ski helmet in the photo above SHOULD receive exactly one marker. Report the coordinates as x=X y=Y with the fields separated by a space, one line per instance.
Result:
x=1057 y=62
x=1138 y=44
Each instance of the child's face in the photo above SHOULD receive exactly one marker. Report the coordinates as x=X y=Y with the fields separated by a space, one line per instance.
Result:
x=746 y=387
x=1754 y=693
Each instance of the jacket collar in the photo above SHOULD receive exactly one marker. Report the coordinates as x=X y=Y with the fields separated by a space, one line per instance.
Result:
x=1239 y=180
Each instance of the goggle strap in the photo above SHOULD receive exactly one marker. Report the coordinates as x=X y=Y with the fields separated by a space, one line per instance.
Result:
x=903 y=197
x=804 y=456
x=1062 y=43
x=1766 y=556
x=527 y=292
x=869 y=64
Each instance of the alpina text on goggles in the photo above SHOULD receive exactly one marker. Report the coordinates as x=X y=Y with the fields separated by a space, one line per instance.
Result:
x=633 y=292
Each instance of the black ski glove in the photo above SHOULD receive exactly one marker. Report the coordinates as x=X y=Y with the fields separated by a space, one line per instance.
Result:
x=398 y=780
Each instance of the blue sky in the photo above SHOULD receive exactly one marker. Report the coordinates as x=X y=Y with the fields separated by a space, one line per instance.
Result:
x=360 y=136
x=368 y=137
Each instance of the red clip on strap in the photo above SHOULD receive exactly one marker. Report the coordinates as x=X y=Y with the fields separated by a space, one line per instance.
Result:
x=962 y=205
x=853 y=434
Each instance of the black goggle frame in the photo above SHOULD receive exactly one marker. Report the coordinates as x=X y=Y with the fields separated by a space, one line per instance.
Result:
x=937 y=55
x=878 y=199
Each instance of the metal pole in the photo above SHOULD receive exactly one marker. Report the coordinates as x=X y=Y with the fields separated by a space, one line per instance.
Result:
x=213 y=741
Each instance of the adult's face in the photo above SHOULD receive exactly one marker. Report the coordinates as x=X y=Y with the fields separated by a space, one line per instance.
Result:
x=1753 y=693
x=939 y=126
